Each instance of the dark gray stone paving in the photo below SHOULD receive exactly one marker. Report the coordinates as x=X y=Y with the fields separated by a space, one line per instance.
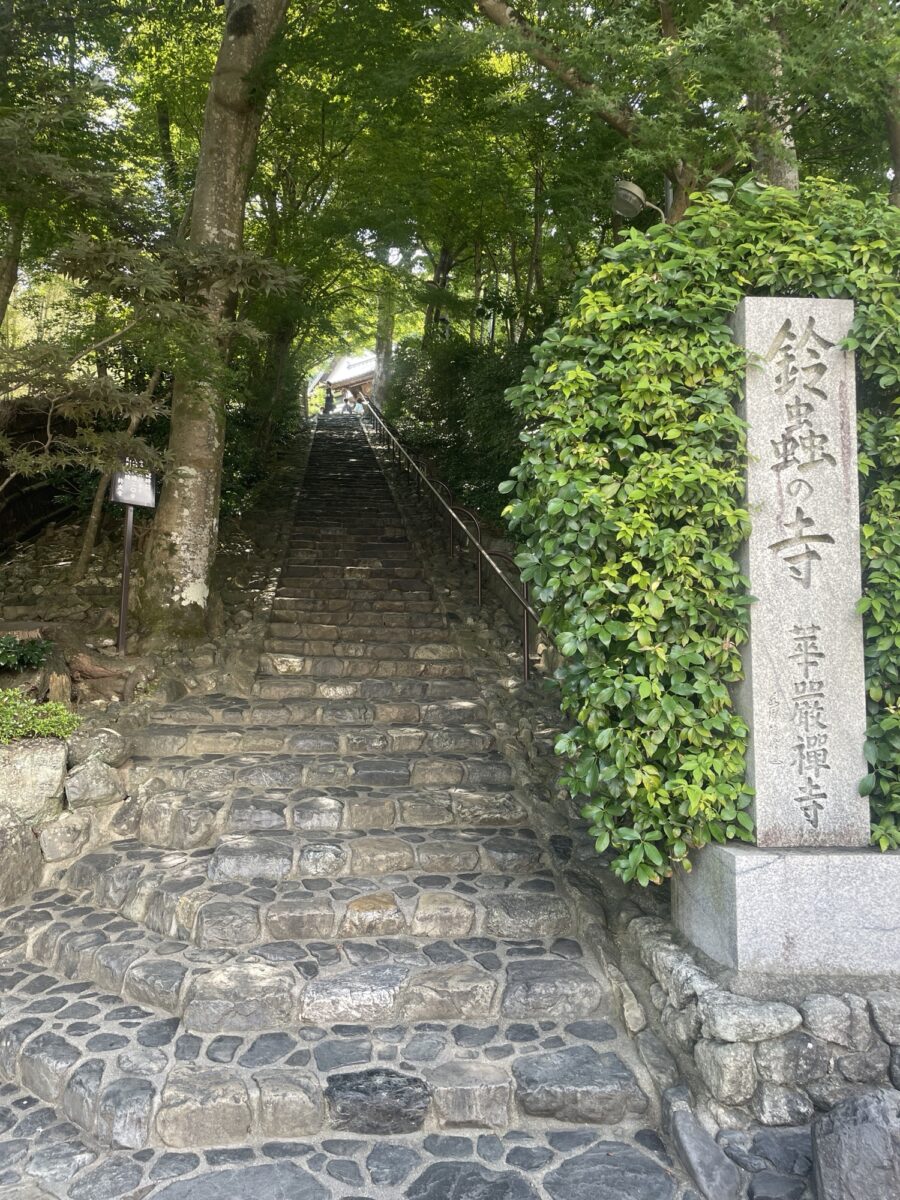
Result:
x=38 y=1148
x=238 y=894
x=330 y=961
x=312 y=980
x=110 y=1066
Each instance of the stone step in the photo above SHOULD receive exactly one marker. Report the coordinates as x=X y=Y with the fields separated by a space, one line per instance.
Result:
x=340 y=553
x=316 y=633
x=168 y=740
x=354 y=572
x=379 y=532
x=340 y=504
x=369 y=604
x=285 y=771
x=172 y=894
x=307 y=565
x=359 y=528
x=275 y=855
x=186 y=821
x=431 y=691
x=371 y=650
x=289 y=984
x=358 y=590
x=326 y=711
x=130 y=1077
x=303 y=535
x=306 y=552
x=342 y=540
x=300 y=613
x=334 y=923
x=333 y=666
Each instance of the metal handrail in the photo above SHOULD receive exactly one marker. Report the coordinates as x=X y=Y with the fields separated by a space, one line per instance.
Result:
x=466 y=514
x=437 y=483
x=453 y=515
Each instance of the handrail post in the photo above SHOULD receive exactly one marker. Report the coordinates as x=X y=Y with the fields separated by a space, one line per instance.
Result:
x=526 y=636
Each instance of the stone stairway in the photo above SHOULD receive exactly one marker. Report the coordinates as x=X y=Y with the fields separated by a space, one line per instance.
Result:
x=334 y=961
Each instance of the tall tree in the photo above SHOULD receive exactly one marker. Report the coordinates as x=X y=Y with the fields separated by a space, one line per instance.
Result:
x=697 y=88
x=185 y=530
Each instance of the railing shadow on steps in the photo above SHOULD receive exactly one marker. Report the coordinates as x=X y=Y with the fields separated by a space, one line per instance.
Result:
x=459 y=523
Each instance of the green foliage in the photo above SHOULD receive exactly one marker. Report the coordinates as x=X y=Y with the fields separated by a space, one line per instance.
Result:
x=406 y=144
x=249 y=451
x=448 y=402
x=628 y=506
x=24 y=718
x=23 y=655
x=880 y=457
x=691 y=88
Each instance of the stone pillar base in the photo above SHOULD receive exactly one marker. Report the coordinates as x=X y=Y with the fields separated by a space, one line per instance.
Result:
x=783 y=913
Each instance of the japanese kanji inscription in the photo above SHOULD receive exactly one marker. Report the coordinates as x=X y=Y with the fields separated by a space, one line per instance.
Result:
x=804 y=692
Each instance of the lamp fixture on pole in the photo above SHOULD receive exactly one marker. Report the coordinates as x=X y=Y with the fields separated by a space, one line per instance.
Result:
x=629 y=201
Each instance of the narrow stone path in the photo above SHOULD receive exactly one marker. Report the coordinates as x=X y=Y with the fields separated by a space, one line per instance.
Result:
x=333 y=962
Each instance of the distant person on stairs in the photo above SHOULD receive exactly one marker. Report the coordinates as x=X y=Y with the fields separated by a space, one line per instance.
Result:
x=348 y=402
x=359 y=408
x=329 y=398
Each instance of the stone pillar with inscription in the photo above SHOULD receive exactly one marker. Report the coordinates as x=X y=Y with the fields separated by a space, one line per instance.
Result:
x=811 y=896
x=804 y=690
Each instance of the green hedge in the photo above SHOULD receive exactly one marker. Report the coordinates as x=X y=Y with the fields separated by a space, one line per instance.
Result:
x=879 y=437
x=628 y=506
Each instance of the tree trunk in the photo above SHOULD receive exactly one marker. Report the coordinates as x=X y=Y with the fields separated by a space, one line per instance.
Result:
x=535 y=281
x=281 y=355
x=476 y=323
x=171 y=173
x=9 y=260
x=384 y=345
x=89 y=539
x=440 y=279
x=892 y=121
x=185 y=531
x=683 y=183
x=775 y=154
x=278 y=354
x=776 y=157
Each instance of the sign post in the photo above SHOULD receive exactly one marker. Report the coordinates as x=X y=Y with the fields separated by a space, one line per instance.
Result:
x=135 y=487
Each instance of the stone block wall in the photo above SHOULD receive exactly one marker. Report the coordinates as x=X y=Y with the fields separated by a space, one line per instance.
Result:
x=32 y=785
x=57 y=800
x=756 y=1060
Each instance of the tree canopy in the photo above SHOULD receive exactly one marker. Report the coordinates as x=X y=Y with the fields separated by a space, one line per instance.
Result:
x=205 y=200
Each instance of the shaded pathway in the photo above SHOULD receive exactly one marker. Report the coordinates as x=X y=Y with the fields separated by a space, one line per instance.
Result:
x=332 y=961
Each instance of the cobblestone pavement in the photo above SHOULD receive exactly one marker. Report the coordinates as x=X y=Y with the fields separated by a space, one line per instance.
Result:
x=330 y=960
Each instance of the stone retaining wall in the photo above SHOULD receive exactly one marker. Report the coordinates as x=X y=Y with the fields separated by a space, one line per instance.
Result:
x=58 y=799
x=748 y=1059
